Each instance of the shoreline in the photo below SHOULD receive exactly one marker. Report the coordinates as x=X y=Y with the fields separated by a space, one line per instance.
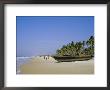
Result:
x=38 y=65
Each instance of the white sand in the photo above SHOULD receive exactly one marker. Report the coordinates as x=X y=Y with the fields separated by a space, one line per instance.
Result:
x=38 y=65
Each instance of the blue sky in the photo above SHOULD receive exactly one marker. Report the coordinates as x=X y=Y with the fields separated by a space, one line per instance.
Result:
x=39 y=35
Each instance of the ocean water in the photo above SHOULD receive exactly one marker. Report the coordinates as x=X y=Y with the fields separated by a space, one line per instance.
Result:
x=20 y=61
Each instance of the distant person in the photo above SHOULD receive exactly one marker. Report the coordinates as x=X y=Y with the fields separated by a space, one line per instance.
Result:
x=48 y=56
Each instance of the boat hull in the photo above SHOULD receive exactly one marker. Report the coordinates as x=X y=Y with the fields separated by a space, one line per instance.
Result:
x=71 y=59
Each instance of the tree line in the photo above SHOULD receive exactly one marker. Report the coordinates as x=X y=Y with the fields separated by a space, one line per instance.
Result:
x=81 y=48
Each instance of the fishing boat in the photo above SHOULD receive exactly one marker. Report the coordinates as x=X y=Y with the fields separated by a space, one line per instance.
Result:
x=66 y=58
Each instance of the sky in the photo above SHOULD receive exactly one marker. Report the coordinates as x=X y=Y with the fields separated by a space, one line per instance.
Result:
x=43 y=35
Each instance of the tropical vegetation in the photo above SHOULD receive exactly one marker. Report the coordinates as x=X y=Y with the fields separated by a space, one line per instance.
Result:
x=80 y=48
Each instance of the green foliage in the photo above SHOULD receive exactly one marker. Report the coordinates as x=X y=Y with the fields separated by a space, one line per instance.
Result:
x=81 y=48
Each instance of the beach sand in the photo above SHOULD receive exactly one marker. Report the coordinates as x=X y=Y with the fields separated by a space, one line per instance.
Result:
x=38 y=65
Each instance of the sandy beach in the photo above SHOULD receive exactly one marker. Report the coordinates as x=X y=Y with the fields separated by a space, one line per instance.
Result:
x=39 y=65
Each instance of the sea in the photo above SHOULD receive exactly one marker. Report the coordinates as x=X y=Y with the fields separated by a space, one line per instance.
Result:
x=20 y=61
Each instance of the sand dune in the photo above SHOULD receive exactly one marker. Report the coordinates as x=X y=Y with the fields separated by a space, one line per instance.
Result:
x=38 y=65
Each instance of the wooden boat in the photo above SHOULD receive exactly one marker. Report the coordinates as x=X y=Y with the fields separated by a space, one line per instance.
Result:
x=71 y=59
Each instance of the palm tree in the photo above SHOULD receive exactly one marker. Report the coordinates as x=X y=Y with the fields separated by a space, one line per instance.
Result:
x=58 y=52
x=90 y=45
x=83 y=43
x=83 y=47
x=78 y=48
